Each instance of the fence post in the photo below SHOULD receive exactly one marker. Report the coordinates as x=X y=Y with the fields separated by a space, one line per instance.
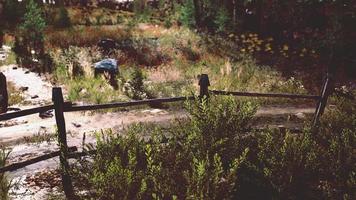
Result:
x=57 y=98
x=204 y=84
x=325 y=93
x=3 y=94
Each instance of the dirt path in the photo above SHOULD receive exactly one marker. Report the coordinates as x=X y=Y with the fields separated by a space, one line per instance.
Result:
x=38 y=91
x=78 y=123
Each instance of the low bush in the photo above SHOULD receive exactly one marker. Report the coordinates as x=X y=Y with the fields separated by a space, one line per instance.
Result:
x=196 y=159
x=214 y=155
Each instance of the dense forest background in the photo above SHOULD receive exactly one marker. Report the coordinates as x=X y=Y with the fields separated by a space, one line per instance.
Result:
x=328 y=26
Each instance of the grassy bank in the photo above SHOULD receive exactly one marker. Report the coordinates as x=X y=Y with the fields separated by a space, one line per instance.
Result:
x=170 y=61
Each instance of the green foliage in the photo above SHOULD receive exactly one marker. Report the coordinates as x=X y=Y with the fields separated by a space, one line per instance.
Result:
x=134 y=88
x=33 y=23
x=214 y=155
x=187 y=161
x=30 y=37
x=187 y=17
x=93 y=90
x=5 y=184
x=222 y=20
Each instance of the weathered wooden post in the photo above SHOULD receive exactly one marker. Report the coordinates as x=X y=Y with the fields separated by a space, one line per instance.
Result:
x=3 y=94
x=325 y=93
x=204 y=84
x=57 y=98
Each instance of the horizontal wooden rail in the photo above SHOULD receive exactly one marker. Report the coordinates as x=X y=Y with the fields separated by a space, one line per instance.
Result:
x=25 y=112
x=124 y=104
x=19 y=165
x=255 y=94
x=30 y=111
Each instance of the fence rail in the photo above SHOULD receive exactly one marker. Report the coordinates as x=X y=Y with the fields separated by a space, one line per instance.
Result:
x=273 y=95
x=60 y=107
x=125 y=104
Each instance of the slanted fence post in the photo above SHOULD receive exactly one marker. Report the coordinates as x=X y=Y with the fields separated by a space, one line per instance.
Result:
x=57 y=98
x=204 y=84
x=325 y=93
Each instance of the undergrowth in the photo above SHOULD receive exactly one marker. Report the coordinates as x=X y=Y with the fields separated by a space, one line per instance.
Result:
x=215 y=155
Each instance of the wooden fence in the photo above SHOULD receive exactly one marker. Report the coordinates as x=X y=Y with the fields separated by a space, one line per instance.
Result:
x=60 y=107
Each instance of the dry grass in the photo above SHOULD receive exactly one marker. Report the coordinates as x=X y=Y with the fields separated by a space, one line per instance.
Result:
x=98 y=16
x=164 y=74
x=82 y=36
x=15 y=96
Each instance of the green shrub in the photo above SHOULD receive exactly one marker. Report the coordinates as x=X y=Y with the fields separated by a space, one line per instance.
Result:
x=134 y=88
x=213 y=154
x=221 y=20
x=187 y=17
x=187 y=161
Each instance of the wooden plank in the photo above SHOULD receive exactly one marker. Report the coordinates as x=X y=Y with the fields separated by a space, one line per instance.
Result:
x=25 y=112
x=19 y=165
x=57 y=97
x=125 y=104
x=274 y=95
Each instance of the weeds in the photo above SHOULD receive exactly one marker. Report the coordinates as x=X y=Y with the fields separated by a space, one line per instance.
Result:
x=5 y=184
x=38 y=138
x=215 y=155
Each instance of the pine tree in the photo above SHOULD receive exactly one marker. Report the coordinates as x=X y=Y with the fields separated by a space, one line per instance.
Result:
x=31 y=32
x=33 y=23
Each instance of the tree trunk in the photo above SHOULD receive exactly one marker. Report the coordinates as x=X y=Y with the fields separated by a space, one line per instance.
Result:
x=197 y=13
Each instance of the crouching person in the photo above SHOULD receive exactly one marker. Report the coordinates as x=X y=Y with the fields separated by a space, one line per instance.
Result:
x=110 y=69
